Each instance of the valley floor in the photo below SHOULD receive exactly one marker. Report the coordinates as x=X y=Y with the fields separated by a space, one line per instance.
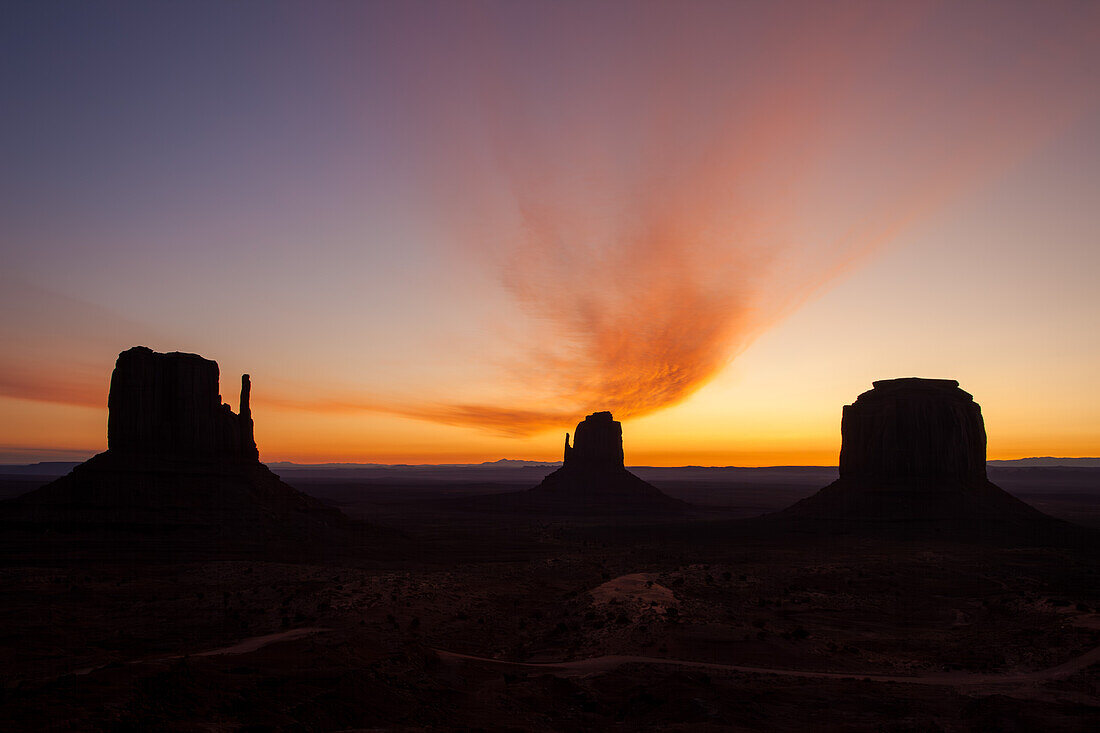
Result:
x=509 y=623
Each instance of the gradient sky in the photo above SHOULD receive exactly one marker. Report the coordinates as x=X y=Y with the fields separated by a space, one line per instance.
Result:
x=446 y=232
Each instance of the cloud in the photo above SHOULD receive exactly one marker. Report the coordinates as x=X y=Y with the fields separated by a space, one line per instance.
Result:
x=657 y=215
x=654 y=192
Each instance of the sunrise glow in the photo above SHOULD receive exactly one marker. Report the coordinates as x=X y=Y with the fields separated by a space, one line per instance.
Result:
x=451 y=248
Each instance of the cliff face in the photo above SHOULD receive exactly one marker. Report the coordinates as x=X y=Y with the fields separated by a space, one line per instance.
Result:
x=913 y=429
x=167 y=406
x=597 y=443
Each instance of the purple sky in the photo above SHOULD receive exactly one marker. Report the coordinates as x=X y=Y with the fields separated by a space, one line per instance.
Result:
x=448 y=231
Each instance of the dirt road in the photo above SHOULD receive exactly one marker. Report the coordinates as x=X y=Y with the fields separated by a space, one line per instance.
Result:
x=244 y=646
x=956 y=679
x=593 y=665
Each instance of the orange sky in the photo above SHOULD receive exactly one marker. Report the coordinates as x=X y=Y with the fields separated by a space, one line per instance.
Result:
x=447 y=236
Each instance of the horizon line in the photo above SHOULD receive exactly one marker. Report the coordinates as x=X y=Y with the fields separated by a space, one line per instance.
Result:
x=537 y=463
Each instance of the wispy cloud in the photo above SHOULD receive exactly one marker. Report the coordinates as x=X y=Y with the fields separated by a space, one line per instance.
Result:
x=660 y=216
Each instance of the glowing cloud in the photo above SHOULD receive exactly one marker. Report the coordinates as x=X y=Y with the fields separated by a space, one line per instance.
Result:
x=670 y=192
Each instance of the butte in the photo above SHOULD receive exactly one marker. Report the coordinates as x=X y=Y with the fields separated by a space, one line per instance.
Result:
x=181 y=473
x=913 y=463
x=593 y=478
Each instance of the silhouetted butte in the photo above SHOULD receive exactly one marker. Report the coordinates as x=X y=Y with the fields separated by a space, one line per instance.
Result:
x=166 y=407
x=180 y=465
x=912 y=459
x=593 y=477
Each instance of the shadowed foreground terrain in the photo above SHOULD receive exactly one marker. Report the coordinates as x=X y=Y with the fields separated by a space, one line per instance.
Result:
x=911 y=593
x=995 y=638
x=101 y=645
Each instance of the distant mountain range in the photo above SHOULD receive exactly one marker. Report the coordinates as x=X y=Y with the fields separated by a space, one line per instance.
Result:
x=1044 y=461
x=60 y=468
x=1047 y=462
x=44 y=468
x=502 y=463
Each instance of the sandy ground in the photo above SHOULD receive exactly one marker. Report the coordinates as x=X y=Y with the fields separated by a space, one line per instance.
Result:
x=634 y=588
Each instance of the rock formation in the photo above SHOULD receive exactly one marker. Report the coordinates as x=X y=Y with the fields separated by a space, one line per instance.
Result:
x=594 y=479
x=167 y=406
x=913 y=455
x=598 y=444
x=913 y=429
x=179 y=464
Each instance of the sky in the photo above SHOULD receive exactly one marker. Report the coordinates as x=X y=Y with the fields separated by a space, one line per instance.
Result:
x=446 y=232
